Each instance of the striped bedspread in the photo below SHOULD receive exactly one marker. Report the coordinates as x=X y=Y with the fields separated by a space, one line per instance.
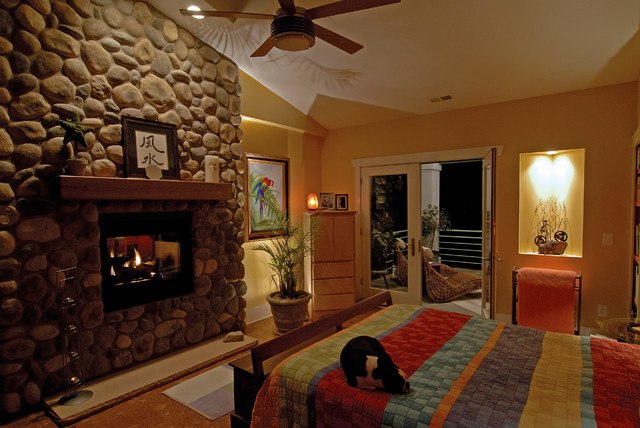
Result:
x=463 y=371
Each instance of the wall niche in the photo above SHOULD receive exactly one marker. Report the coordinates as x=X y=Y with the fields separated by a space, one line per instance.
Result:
x=551 y=205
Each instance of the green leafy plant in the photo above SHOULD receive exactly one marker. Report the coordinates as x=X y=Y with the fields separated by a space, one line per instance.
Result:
x=434 y=219
x=388 y=215
x=287 y=249
x=74 y=134
x=382 y=248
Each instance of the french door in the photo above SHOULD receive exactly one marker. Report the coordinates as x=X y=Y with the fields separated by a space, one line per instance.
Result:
x=488 y=232
x=391 y=249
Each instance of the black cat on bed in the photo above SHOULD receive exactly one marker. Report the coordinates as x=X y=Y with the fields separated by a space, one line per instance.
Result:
x=368 y=366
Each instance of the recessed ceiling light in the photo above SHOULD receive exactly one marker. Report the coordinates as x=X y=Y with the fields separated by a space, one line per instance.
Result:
x=196 y=9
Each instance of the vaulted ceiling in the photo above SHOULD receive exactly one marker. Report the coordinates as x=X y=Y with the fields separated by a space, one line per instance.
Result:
x=418 y=51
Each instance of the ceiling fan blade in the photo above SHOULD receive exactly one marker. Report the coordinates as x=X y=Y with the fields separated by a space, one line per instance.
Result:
x=222 y=14
x=264 y=48
x=287 y=5
x=345 y=6
x=337 y=40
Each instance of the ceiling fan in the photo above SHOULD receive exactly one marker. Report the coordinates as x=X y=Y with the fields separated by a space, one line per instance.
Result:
x=292 y=27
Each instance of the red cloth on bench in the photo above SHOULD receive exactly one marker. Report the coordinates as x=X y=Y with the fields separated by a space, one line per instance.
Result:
x=546 y=299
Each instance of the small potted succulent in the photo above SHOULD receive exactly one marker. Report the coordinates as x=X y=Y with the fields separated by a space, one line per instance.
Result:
x=73 y=139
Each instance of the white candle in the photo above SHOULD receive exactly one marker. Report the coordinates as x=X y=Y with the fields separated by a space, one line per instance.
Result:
x=211 y=169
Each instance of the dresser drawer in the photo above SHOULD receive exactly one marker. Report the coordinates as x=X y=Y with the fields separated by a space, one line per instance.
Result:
x=333 y=270
x=333 y=286
x=332 y=301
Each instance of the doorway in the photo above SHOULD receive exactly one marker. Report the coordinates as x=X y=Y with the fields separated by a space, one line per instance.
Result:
x=452 y=209
x=381 y=225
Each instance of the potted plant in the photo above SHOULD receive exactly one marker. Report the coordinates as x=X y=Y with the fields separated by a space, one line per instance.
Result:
x=287 y=249
x=74 y=138
x=383 y=246
x=383 y=243
x=434 y=219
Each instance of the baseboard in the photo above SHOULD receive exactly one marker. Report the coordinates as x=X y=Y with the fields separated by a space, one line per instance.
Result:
x=258 y=313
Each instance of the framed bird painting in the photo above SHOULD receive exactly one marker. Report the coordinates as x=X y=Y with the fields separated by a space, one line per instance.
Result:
x=268 y=193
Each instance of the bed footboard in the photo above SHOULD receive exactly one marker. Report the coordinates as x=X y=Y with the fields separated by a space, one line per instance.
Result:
x=250 y=370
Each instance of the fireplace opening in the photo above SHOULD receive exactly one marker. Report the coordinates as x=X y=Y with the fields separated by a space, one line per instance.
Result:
x=145 y=257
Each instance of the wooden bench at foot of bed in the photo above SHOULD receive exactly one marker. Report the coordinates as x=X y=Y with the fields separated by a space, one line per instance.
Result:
x=250 y=370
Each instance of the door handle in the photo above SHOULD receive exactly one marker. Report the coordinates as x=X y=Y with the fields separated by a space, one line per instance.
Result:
x=412 y=245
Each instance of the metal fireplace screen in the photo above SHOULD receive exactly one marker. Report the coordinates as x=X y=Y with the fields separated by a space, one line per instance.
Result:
x=145 y=257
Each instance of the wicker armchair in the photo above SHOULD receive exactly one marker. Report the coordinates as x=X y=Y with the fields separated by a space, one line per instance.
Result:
x=401 y=263
x=449 y=285
x=447 y=271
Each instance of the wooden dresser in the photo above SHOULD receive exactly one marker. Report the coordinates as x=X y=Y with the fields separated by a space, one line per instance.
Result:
x=329 y=271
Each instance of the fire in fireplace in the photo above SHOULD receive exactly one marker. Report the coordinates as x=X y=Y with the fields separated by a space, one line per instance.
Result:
x=145 y=257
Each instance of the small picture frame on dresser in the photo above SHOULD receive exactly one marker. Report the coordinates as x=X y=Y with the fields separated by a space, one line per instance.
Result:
x=342 y=202
x=327 y=201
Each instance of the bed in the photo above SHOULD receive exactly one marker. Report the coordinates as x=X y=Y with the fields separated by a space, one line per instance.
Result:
x=464 y=371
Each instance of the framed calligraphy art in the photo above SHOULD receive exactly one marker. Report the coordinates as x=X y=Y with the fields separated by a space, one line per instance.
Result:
x=268 y=187
x=150 y=148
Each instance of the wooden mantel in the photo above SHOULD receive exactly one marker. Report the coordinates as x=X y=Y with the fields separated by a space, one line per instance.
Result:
x=89 y=188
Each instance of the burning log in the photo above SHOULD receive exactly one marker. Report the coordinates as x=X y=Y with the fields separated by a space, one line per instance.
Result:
x=127 y=270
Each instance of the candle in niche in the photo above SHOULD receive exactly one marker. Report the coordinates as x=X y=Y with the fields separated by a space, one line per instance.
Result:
x=211 y=169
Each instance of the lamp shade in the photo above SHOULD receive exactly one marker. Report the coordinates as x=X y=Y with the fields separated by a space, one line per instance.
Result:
x=312 y=202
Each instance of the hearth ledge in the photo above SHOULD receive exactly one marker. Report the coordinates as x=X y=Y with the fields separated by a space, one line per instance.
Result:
x=90 y=188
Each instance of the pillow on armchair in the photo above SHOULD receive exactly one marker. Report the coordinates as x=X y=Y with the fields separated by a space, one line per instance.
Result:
x=427 y=252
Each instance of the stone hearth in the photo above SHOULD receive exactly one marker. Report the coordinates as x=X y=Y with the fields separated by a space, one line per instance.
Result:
x=101 y=59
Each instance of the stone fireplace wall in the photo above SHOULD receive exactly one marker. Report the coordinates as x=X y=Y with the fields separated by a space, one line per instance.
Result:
x=101 y=59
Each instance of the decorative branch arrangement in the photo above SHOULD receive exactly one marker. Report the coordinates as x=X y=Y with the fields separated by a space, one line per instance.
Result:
x=551 y=223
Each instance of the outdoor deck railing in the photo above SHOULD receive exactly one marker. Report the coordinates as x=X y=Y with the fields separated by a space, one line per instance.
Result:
x=461 y=248
x=458 y=248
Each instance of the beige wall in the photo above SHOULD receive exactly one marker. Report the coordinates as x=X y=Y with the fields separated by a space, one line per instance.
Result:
x=303 y=151
x=261 y=103
x=276 y=128
x=600 y=120
x=638 y=109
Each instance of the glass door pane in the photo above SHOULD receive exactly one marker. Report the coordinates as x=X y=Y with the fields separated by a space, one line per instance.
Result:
x=392 y=257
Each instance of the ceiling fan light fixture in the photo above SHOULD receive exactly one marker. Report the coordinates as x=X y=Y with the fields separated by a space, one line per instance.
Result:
x=195 y=9
x=293 y=31
x=294 y=42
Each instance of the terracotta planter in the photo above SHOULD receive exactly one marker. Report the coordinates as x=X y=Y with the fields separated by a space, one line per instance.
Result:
x=76 y=166
x=288 y=313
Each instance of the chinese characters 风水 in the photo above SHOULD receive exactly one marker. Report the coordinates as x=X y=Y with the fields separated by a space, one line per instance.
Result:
x=151 y=149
